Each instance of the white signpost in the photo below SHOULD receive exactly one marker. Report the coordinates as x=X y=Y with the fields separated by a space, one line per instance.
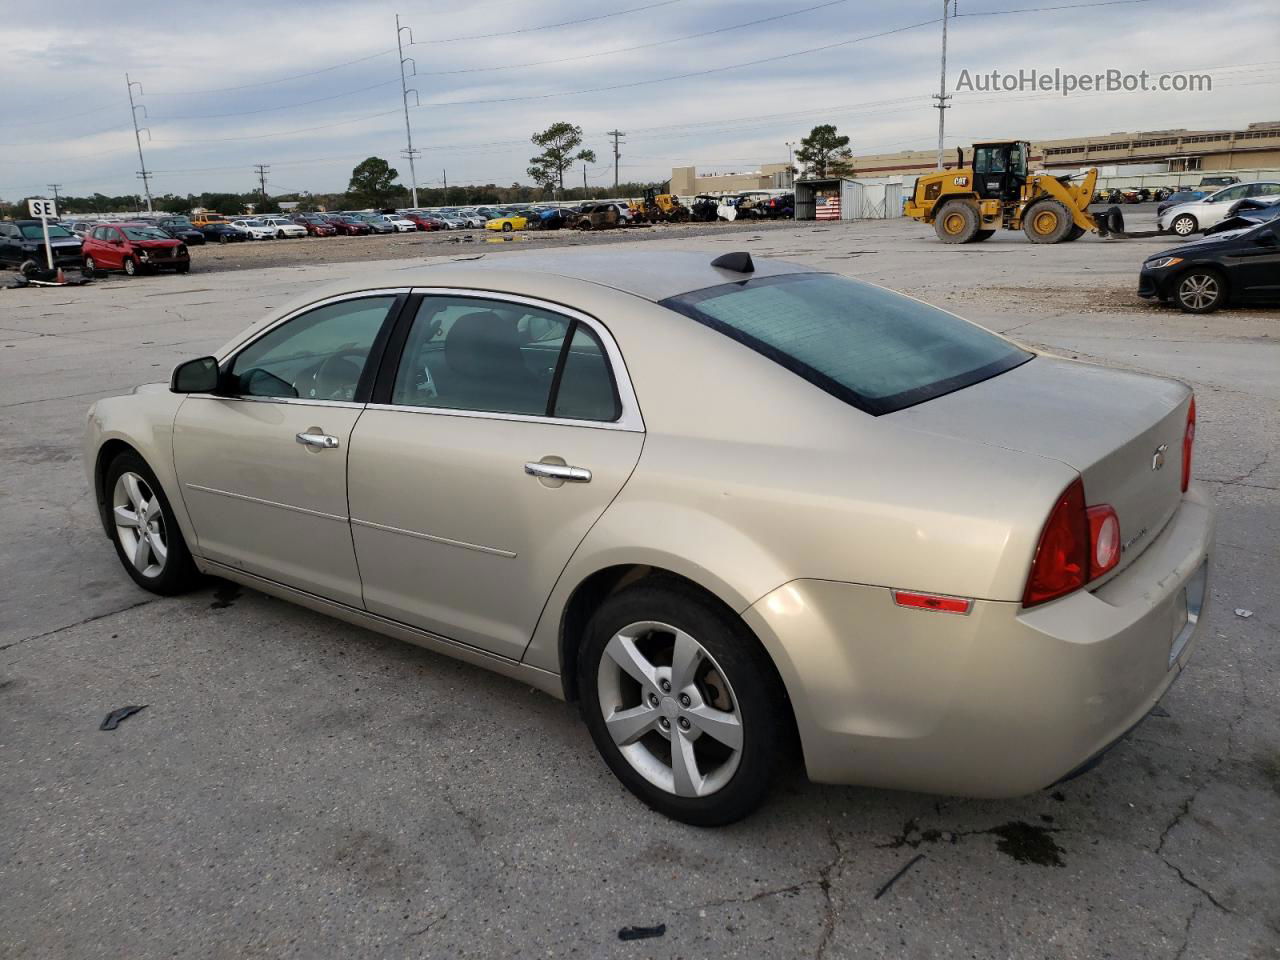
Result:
x=44 y=209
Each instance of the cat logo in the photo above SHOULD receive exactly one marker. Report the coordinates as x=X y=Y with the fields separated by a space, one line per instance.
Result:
x=962 y=181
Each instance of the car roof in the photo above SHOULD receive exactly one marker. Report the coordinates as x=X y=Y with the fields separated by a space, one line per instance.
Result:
x=651 y=275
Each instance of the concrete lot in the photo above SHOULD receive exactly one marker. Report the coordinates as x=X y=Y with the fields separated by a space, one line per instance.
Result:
x=300 y=788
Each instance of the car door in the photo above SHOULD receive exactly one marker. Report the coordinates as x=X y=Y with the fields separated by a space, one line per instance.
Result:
x=1254 y=260
x=262 y=464
x=107 y=246
x=500 y=430
x=8 y=243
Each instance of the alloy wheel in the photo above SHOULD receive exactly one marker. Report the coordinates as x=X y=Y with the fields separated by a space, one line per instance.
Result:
x=1198 y=291
x=139 y=522
x=670 y=709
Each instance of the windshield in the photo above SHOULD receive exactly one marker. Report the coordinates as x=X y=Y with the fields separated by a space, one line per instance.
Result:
x=871 y=347
x=32 y=231
x=145 y=233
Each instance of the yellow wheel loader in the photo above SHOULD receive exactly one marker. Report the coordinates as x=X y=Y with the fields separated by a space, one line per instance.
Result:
x=969 y=204
x=659 y=208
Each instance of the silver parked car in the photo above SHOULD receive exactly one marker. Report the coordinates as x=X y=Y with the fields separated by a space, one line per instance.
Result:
x=1188 y=218
x=729 y=507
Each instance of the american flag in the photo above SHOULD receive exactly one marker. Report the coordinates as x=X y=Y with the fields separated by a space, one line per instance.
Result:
x=828 y=208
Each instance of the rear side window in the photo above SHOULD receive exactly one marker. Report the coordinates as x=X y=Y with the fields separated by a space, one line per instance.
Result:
x=876 y=350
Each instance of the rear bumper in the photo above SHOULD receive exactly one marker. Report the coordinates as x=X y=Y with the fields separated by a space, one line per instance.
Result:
x=1000 y=702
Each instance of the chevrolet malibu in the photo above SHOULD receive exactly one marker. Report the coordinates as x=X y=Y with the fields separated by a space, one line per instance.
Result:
x=731 y=508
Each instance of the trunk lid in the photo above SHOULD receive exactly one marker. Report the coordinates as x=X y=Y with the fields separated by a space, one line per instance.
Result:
x=1122 y=431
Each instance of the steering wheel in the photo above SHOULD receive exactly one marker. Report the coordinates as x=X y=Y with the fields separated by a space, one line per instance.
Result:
x=337 y=377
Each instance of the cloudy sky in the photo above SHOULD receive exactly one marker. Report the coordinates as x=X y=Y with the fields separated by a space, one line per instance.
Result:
x=311 y=87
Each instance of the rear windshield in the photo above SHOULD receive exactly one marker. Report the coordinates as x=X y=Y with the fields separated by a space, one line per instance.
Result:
x=872 y=348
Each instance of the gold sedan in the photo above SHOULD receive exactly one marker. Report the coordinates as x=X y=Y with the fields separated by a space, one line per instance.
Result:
x=728 y=506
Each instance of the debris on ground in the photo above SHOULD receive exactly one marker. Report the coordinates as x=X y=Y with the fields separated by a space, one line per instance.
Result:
x=1243 y=614
x=897 y=876
x=115 y=716
x=642 y=933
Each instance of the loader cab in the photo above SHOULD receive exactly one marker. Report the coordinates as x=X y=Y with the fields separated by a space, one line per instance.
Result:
x=1000 y=169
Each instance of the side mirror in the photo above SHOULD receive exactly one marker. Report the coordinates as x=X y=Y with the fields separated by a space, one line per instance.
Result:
x=195 y=376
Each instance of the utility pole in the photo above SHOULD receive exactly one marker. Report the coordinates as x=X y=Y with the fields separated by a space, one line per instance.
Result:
x=262 y=169
x=408 y=152
x=584 y=182
x=616 y=134
x=137 y=136
x=941 y=96
x=55 y=187
x=445 y=175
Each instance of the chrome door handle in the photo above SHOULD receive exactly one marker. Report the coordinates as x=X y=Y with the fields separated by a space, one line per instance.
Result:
x=322 y=440
x=558 y=471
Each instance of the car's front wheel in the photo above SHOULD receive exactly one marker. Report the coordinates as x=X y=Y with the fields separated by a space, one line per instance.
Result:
x=1200 y=291
x=147 y=538
x=1184 y=225
x=682 y=703
x=130 y=266
x=90 y=268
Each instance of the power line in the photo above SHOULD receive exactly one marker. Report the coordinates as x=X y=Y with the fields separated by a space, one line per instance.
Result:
x=553 y=26
x=262 y=169
x=641 y=46
x=267 y=83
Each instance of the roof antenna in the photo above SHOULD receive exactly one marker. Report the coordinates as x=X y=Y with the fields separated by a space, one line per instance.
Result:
x=739 y=262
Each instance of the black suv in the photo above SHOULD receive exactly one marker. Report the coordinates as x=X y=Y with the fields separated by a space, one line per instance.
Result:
x=1241 y=266
x=22 y=243
x=180 y=228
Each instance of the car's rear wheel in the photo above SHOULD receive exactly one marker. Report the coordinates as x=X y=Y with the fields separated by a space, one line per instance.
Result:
x=1184 y=225
x=1200 y=291
x=682 y=703
x=130 y=266
x=90 y=268
x=223 y=238
x=146 y=536
x=507 y=228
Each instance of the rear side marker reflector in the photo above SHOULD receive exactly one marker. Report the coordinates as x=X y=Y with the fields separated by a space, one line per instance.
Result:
x=928 y=601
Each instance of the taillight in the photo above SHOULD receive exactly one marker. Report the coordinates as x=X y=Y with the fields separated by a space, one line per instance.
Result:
x=1188 y=441
x=1078 y=544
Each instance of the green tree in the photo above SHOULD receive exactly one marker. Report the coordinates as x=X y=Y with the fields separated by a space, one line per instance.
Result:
x=373 y=183
x=824 y=152
x=558 y=143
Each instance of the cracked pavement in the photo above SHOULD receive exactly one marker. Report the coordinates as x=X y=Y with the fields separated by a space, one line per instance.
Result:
x=297 y=787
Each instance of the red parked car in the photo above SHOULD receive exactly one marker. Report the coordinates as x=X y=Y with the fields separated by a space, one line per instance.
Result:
x=348 y=228
x=134 y=248
x=423 y=222
x=316 y=226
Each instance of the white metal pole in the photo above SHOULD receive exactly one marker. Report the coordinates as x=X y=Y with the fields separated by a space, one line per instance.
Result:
x=133 y=115
x=48 y=249
x=404 y=98
x=942 y=85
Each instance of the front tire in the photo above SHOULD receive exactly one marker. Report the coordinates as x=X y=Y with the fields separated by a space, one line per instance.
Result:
x=1200 y=291
x=682 y=703
x=1184 y=225
x=147 y=538
x=507 y=228
x=130 y=266
x=1047 y=221
x=90 y=268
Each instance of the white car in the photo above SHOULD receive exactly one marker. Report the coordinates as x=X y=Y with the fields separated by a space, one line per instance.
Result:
x=1188 y=218
x=285 y=228
x=453 y=221
x=401 y=224
x=256 y=229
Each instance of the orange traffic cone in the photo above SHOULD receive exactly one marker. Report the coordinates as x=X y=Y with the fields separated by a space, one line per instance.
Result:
x=60 y=277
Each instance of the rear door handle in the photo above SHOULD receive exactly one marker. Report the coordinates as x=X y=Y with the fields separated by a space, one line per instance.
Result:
x=558 y=471
x=322 y=440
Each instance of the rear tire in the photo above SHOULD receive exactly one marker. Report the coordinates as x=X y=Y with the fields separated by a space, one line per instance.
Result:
x=1184 y=225
x=724 y=712
x=1200 y=290
x=157 y=559
x=1047 y=221
x=956 y=222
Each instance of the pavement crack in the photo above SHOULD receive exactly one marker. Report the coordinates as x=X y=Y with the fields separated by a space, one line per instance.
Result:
x=427 y=928
x=79 y=623
x=828 y=874
x=1186 y=932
